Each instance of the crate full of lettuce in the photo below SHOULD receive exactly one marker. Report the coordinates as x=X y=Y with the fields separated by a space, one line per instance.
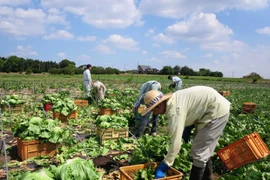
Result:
x=38 y=136
x=13 y=103
x=111 y=127
x=48 y=100
x=64 y=109
x=109 y=106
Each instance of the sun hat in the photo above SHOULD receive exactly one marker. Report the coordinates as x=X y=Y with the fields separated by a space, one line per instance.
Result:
x=153 y=98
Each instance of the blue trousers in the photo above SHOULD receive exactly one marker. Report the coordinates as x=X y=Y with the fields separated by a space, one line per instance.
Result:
x=144 y=122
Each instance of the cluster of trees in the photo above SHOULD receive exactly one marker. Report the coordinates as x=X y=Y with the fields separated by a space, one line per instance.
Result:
x=18 y=65
x=186 y=71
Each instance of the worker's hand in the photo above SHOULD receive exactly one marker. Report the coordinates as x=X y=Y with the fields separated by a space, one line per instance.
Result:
x=161 y=170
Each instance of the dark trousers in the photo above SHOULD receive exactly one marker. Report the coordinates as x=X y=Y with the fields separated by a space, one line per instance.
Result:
x=186 y=133
x=144 y=122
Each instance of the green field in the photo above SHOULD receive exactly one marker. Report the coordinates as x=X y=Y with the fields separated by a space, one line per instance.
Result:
x=125 y=88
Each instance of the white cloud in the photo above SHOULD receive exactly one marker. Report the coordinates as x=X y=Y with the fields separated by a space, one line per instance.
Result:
x=61 y=34
x=178 y=9
x=144 y=52
x=244 y=62
x=173 y=55
x=56 y=19
x=103 y=49
x=20 y=22
x=24 y=51
x=61 y=55
x=31 y=22
x=14 y=2
x=208 y=55
x=225 y=46
x=115 y=14
x=265 y=30
x=199 y=27
x=121 y=42
x=53 y=11
x=163 y=38
x=86 y=38
x=149 y=32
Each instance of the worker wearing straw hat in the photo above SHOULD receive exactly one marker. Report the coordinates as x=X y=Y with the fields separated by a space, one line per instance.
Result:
x=199 y=105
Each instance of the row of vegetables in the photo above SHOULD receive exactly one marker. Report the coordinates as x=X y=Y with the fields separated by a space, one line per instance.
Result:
x=146 y=149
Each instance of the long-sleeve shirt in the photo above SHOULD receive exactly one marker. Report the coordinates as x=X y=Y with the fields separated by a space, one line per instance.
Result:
x=100 y=86
x=176 y=79
x=196 y=105
x=100 y=90
x=87 y=76
x=148 y=86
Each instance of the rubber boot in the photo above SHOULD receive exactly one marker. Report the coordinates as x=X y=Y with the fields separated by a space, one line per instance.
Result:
x=196 y=173
x=208 y=172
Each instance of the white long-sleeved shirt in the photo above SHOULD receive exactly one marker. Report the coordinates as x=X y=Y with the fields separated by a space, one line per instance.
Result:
x=176 y=79
x=197 y=105
x=87 y=76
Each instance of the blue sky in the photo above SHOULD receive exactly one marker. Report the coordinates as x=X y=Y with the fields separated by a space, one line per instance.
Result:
x=221 y=35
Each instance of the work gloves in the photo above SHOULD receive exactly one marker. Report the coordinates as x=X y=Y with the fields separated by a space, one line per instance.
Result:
x=161 y=170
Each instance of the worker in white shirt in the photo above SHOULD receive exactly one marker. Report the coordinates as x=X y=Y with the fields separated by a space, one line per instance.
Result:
x=87 y=79
x=199 y=105
x=149 y=85
x=176 y=82
x=100 y=90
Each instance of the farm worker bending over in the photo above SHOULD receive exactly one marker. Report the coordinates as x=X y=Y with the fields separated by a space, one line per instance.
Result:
x=100 y=89
x=87 y=79
x=149 y=85
x=199 y=105
x=177 y=82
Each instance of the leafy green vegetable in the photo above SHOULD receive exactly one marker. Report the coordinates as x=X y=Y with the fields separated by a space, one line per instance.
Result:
x=50 y=98
x=122 y=156
x=76 y=168
x=114 y=121
x=145 y=174
x=42 y=174
x=45 y=130
x=110 y=103
x=12 y=100
x=65 y=106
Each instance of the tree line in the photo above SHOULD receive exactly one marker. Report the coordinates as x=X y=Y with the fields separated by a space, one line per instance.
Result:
x=19 y=65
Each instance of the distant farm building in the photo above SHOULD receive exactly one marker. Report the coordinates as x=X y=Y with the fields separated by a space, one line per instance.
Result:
x=144 y=69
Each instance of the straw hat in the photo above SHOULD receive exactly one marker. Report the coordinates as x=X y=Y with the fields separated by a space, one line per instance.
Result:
x=153 y=98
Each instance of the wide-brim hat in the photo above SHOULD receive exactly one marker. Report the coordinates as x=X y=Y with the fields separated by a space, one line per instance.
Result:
x=153 y=98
